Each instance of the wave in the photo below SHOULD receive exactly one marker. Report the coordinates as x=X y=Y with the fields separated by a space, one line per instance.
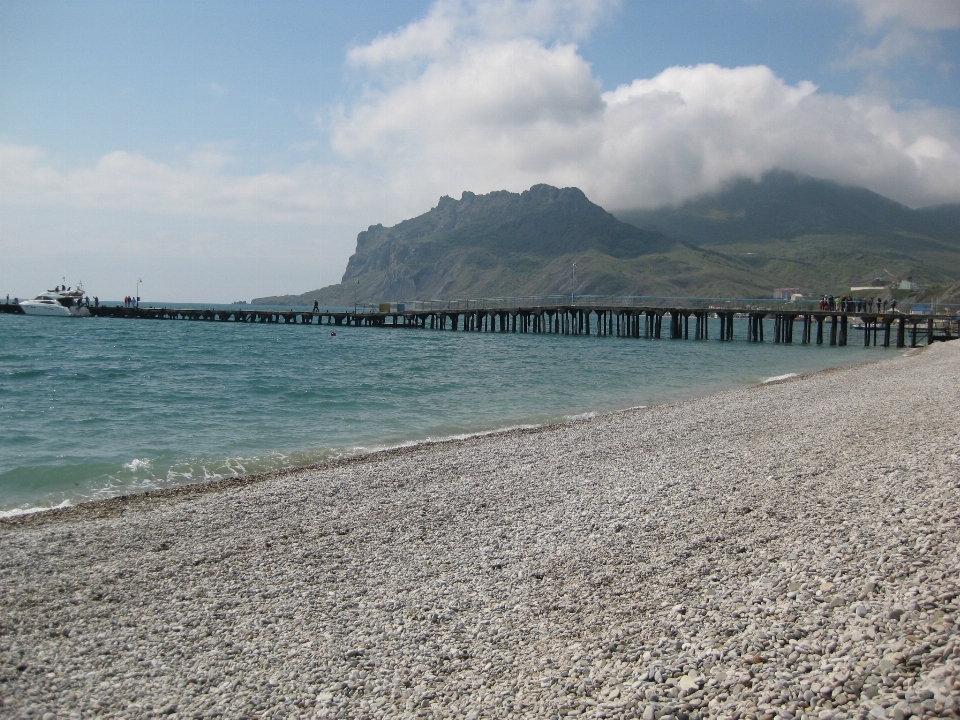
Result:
x=30 y=509
x=777 y=378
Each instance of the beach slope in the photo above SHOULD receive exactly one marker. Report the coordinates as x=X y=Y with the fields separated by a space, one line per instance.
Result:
x=783 y=550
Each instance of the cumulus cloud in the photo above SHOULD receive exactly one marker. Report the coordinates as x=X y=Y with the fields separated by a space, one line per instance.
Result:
x=689 y=129
x=489 y=110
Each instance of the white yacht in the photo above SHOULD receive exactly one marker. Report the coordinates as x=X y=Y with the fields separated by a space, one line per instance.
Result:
x=61 y=302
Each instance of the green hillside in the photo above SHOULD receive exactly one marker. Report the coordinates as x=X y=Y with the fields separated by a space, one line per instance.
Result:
x=814 y=234
x=783 y=231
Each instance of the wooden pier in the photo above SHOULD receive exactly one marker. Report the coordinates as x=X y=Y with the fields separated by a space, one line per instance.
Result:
x=633 y=320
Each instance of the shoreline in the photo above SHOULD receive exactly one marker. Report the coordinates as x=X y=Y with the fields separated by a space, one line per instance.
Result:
x=783 y=550
x=119 y=503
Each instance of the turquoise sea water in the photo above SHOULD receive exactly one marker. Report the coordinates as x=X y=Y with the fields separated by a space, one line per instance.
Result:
x=96 y=407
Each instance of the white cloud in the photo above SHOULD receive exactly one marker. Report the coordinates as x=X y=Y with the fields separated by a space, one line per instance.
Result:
x=130 y=182
x=899 y=43
x=689 y=129
x=450 y=23
x=901 y=30
x=510 y=112
x=918 y=14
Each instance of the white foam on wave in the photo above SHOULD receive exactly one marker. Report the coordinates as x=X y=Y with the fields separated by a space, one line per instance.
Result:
x=775 y=378
x=137 y=464
x=14 y=512
x=360 y=450
x=333 y=454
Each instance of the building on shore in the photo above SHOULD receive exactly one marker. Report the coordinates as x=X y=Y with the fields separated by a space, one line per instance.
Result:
x=786 y=293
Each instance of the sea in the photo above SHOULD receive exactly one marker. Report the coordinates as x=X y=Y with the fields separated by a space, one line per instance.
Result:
x=97 y=407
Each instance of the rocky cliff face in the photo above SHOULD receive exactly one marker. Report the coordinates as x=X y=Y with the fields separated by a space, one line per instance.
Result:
x=501 y=243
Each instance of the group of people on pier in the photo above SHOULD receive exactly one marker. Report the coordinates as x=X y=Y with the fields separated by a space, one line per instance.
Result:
x=848 y=303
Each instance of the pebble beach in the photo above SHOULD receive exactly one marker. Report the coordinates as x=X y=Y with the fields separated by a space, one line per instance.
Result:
x=788 y=550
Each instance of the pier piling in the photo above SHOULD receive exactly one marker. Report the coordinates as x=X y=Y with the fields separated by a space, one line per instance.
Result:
x=572 y=319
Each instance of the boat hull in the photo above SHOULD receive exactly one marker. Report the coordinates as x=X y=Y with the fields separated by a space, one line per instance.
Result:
x=32 y=308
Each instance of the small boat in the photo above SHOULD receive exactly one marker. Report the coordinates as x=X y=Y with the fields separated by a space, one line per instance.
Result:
x=61 y=302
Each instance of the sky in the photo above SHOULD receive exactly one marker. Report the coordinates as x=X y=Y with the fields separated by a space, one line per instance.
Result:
x=219 y=151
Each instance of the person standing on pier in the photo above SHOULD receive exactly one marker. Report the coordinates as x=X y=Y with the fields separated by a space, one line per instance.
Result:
x=316 y=306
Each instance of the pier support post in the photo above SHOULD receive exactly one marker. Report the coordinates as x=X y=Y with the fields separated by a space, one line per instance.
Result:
x=842 y=341
x=834 y=320
x=901 y=330
x=820 y=330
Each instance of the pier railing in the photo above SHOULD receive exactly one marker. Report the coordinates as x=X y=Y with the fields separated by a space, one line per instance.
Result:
x=739 y=305
x=581 y=302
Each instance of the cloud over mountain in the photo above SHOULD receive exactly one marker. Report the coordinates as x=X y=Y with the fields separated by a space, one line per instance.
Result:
x=493 y=104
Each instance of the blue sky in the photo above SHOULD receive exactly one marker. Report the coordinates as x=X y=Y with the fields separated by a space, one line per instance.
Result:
x=227 y=150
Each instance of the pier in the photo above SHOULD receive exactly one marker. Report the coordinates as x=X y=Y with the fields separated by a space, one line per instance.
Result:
x=678 y=318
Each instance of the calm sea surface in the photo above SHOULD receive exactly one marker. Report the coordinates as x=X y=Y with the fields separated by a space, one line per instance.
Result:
x=95 y=407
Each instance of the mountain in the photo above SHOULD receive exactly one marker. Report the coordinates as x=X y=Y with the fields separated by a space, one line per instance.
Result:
x=784 y=230
x=513 y=244
x=815 y=234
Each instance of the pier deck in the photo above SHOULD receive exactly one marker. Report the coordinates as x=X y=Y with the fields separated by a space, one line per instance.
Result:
x=631 y=320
